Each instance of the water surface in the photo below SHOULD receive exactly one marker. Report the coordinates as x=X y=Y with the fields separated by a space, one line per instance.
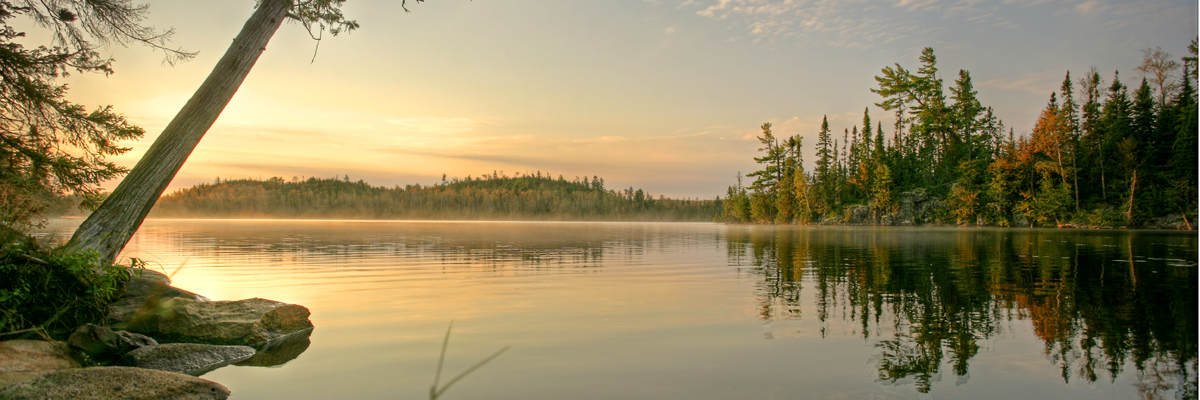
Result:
x=703 y=311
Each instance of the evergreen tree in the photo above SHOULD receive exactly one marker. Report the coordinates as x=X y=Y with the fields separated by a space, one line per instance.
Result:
x=1068 y=113
x=1115 y=123
x=966 y=118
x=1183 y=164
x=773 y=158
x=824 y=185
x=50 y=147
x=1092 y=137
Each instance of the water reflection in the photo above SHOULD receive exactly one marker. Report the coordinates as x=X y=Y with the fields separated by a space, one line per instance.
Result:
x=1100 y=302
x=347 y=243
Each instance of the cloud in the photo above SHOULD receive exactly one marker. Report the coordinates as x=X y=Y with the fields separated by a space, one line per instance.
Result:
x=866 y=23
x=1090 y=7
x=1040 y=83
x=435 y=125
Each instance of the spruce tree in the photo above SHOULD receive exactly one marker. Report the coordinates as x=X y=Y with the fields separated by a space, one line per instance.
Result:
x=825 y=173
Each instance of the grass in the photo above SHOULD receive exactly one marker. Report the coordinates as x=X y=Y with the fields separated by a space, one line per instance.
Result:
x=434 y=391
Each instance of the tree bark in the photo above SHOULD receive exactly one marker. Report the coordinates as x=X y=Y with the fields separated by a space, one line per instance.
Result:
x=109 y=228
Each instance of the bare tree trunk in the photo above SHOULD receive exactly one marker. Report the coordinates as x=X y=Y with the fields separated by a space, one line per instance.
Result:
x=1132 y=190
x=109 y=228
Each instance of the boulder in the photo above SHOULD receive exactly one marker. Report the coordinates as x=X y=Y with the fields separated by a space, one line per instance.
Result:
x=241 y=322
x=102 y=383
x=918 y=207
x=23 y=360
x=857 y=215
x=280 y=350
x=1171 y=221
x=105 y=345
x=143 y=294
x=187 y=358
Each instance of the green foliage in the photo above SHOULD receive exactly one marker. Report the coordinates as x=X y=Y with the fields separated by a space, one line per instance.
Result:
x=736 y=207
x=534 y=197
x=883 y=196
x=53 y=290
x=50 y=147
x=1084 y=158
x=804 y=196
x=966 y=196
x=762 y=207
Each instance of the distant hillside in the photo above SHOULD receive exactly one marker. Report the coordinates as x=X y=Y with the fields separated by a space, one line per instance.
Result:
x=528 y=197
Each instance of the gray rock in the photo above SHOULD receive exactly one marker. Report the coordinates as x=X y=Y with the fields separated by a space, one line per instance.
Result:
x=187 y=358
x=1172 y=221
x=241 y=322
x=280 y=350
x=918 y=207
x=104 y=345
x=23 y=360
x=858 y=214
x=102 y=383
x=143 y=294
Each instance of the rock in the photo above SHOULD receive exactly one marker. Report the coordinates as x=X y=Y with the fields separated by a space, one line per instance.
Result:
x=187 y=358
x=115 y=383
x=858 y=214
x=104 y=345
x=1021 y=221
x=918 y=207
x=143 y=294
x=1172 y=221
x=280 y=350
x=23 y=360
x=241 y=322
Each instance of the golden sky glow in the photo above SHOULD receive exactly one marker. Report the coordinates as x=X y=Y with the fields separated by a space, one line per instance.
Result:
x=661 y=95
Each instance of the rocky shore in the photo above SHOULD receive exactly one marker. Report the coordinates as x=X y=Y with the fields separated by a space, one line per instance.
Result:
x=155 y=343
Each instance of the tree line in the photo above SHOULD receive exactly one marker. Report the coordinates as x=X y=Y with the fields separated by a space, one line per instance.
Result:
x=533 y=196
x=1100 y=153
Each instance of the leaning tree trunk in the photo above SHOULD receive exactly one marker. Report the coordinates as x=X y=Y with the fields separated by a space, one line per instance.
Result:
x=109 y=228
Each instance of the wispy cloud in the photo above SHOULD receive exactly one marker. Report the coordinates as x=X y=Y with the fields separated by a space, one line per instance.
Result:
x=865 y=23
x=1041 y=83
x=434 y=125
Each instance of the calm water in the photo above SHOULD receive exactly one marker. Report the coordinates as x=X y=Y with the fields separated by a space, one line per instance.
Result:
x=704 y=311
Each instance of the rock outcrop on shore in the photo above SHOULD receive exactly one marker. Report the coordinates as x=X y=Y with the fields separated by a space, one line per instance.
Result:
x=241 y=322
x=23 y=360
x=193 y=359
x=160 y=339
x=105 y=345
x=104 y=383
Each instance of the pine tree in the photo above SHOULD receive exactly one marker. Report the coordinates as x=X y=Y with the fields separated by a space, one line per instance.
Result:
x=825 y=171
x=1183 y=161
x=1115 y=123
x=1092 y=137
x=49 y=147
x=774 y=156
x=1069 y=115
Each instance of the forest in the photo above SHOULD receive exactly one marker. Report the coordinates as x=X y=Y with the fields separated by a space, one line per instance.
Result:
x=1101 y=153
x=534 y=196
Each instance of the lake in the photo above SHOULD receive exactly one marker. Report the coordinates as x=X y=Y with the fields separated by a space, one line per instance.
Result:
x=702 y=311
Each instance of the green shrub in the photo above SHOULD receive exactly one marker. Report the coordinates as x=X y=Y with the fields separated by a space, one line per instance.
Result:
x=52 y=290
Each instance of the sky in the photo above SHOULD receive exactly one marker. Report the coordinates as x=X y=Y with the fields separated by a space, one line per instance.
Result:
x=663 y=95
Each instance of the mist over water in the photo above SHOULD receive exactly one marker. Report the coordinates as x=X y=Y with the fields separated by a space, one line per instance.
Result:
x=703 y=311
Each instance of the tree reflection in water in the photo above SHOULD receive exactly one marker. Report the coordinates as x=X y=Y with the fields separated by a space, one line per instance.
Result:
x=1100 y=302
